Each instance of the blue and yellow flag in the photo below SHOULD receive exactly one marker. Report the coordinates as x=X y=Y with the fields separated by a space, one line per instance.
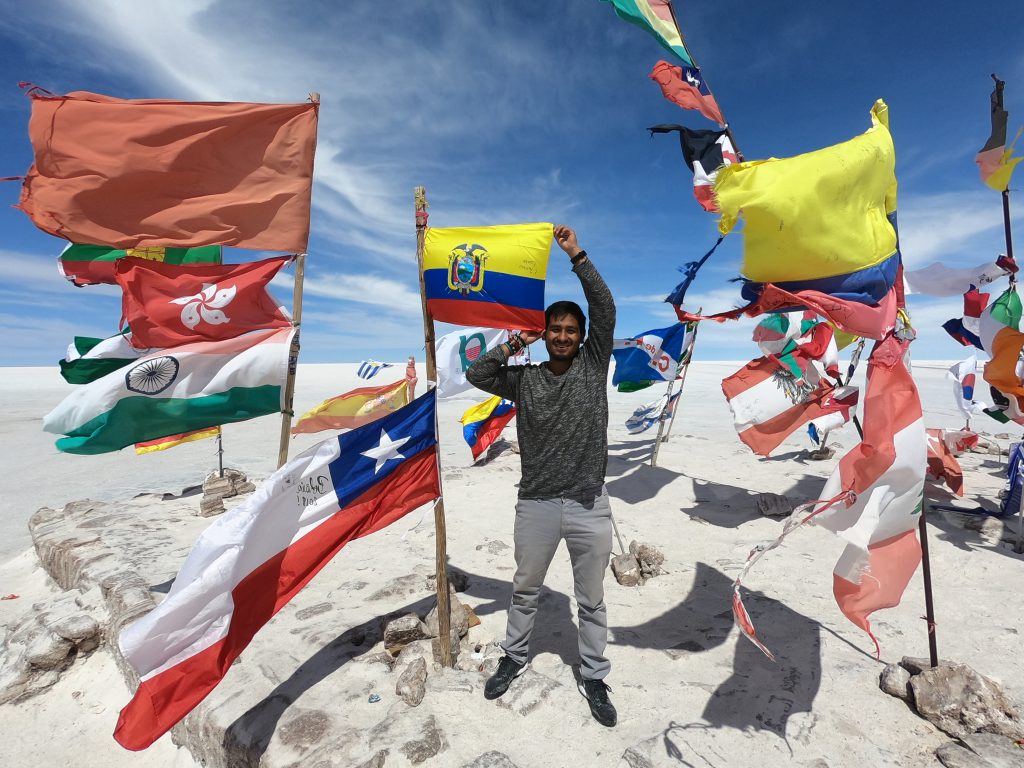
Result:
x=482 y=423
x=487 y=276
x=822 y=221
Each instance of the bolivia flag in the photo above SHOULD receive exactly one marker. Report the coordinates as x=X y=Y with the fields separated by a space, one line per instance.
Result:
x=353 y=409
x=255 y=558
x=482 y=424
x=487 y=276
x=176 y=390
x=94 y=264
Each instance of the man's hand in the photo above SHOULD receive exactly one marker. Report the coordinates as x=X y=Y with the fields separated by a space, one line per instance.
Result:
x=566 y=240
x=530 y=336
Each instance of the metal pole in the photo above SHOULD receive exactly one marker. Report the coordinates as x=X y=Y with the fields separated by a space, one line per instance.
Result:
x=1019 y=548
x=440 y=532
x=293 y=361
x=661 y=421
x=220 y=450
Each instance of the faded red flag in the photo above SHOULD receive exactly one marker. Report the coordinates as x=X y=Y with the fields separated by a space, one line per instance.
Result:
x=686 y=87
x=130 y=173
x=169 y=304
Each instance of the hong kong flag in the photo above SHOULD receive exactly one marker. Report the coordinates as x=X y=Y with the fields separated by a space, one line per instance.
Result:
x=166 y=305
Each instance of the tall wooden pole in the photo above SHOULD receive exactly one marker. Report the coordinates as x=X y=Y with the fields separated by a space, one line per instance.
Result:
x=293 y=361
x=662 y=438
x=440 y=532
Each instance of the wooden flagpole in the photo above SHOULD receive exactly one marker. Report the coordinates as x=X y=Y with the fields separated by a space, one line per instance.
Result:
x=682 y=382
x=293 y=361
x=440 y=533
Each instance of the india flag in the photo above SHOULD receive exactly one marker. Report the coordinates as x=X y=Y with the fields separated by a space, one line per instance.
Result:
x=176 y=390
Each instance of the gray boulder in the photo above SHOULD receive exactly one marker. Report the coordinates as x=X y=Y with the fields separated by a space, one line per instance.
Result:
x=959 y=701
x=411 y=686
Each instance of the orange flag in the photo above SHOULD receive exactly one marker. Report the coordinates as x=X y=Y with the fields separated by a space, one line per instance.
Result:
x=131 y=173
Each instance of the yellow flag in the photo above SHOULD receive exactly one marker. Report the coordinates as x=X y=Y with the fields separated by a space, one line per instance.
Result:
x=816 y=215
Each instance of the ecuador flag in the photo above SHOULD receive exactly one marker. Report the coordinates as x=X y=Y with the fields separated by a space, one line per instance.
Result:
x=487 y=276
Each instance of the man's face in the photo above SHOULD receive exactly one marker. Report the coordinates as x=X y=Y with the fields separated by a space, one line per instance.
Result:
x=562 y=337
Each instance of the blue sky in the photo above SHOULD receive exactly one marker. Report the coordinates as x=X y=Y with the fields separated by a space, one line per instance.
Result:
x=506 y=112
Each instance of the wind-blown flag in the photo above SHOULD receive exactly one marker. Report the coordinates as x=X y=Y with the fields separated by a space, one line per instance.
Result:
x=966 y=329
x=458 y=350
x=482 y=424
x=1002 y=337
x=650 y=356
x=89 y=358
x=370 y=368
x=939 y=280
x=943 y=448
x=839 y=407
x=794 y=340
x=163 y=443
x=489 y=276
x=646 y=416
x=130 y=173
x=94 y=264
x=166 y=305
x=881 y=482
x=964 y=375
x=995 y=161
x=355 y=408
x=819 y=221
x=176 y=390
x=255 y=558
x=706 y=153
x=768 y=405
x=656 y=17
x=685 y=86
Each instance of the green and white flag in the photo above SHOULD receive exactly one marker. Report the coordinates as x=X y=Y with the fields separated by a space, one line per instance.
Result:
x=89 y=359
x=176 y=390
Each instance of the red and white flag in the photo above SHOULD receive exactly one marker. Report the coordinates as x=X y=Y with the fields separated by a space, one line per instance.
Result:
x=882 y=479
x=247 y=565
x=943 y=448
x=768 y=404
x=166 y=305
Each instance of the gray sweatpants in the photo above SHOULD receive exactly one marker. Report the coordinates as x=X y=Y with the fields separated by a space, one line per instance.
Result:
x=586 y=525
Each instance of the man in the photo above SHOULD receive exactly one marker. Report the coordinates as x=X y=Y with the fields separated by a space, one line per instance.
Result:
x=562 y=425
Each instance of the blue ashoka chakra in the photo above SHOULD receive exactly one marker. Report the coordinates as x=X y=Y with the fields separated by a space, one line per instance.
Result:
x=152 y=376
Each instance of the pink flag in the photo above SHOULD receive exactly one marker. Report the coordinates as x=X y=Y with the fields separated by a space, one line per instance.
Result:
x=686 y=87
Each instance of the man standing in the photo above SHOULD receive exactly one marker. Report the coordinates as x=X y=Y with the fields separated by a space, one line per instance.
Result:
x=562 y=426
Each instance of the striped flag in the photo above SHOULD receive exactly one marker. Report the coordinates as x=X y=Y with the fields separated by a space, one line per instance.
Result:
x=483 y=423
x=655 y=16
x=705 y=153
x=89 y=358
x=176 y=390
x=964 y=375
x=355 y=408
x=255 y=558
x=966 y=329
x=94 y=264
x=768 y=404
x=646 y=416
x=995 y=161
x=882 y=484
x=370 y=368
x=163 y=443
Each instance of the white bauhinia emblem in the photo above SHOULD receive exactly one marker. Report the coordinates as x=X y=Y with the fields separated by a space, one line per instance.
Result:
x=206 y=305
x=386 y=450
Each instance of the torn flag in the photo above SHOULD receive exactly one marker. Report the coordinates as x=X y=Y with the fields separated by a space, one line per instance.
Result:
x=88 y=358
x=685 y=86
x=166 y=305
x=943 y=448
x=163 y=443
x=482 y=423
x=652 y=355
x=964 y=375
x=880 y=482
x=646 y=416
x=487 y=276
x=995 y=160
x=129 y=173
x=705 y=153
x=255 y=558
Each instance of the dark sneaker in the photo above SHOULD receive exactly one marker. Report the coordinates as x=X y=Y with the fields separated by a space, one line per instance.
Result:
x=502 y=678
x=596 y=692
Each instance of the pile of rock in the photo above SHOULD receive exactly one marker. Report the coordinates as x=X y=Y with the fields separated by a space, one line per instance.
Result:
x=964 y=704
x=217 y=488
x=643 y=562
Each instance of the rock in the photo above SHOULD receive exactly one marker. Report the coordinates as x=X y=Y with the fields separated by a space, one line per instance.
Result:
x=649 y=558
x=915 y=665
x=528 y=692
x=821 y=453
x=959 y=701
x=895 y=681
x=774 y=505
x=403 y=586
x=211 y=507
x=401 y=631
x=459 y=621
x=626 y=570
x=429 y=649
x=381 y=657
x=492 y=759
x=377 y=761
x=411 y=684
x=1002 y=436
x=419 y=737
x=981 y=750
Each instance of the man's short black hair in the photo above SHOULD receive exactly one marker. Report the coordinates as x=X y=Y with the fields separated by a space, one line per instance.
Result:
x=563 y=308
